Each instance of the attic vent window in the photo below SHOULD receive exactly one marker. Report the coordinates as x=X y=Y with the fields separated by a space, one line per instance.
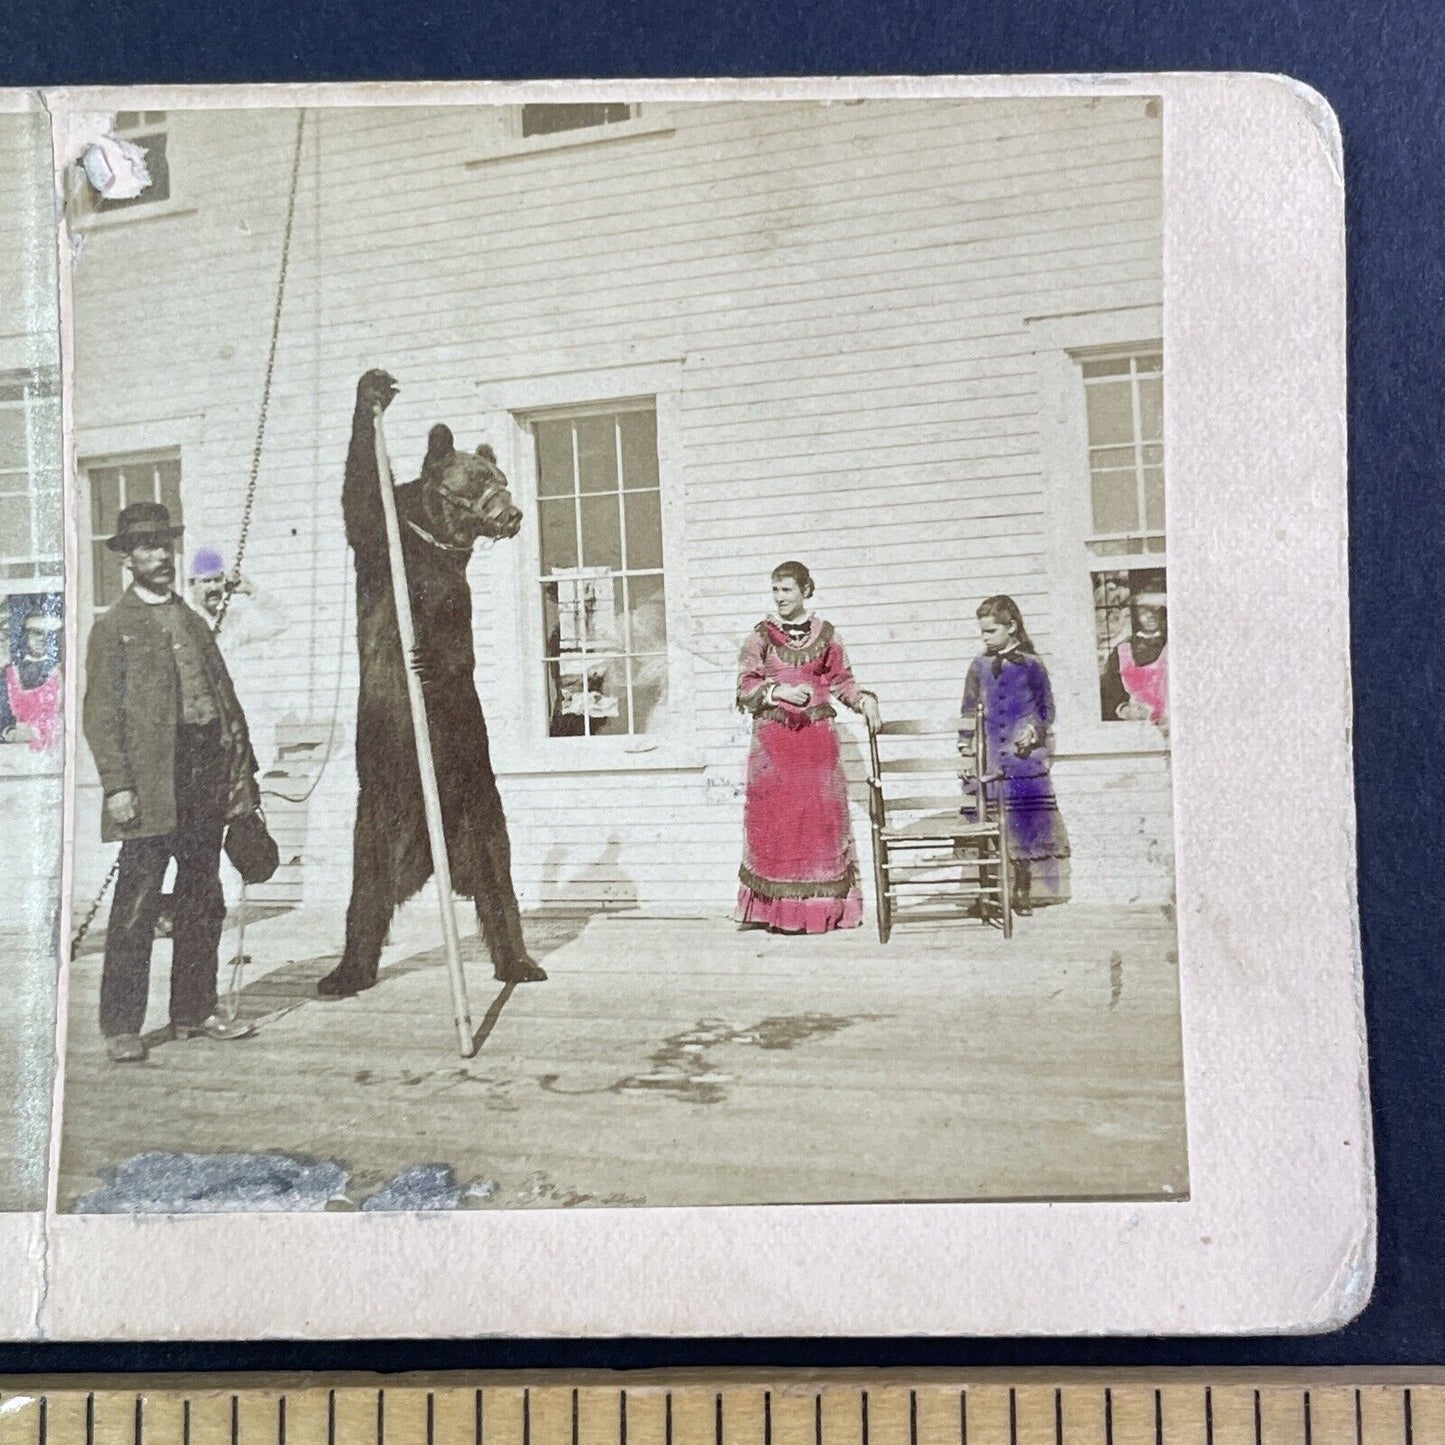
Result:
x=147 y=129
x=550 y=119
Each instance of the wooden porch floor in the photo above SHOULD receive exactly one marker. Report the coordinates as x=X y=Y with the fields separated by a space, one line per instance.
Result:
x=675 y=1061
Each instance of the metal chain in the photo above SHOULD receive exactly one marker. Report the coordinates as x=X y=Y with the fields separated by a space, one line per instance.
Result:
x=93 y=909
x=85 y=924
x=270 y=372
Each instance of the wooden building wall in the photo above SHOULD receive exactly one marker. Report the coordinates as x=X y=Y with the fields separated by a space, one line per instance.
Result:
x=832 y=303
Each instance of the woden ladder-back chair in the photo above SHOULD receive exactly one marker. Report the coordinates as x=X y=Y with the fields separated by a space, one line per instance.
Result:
x=910 y=831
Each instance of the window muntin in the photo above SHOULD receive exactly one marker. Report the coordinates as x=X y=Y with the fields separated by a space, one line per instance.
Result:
x=603 y=588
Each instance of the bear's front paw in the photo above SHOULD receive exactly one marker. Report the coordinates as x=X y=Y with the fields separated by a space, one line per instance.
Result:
x=376 y=389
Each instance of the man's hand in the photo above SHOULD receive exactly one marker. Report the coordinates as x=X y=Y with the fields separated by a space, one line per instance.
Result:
x=793 y=692
x=123 y=809
x=20 y=733
x=868 y=706
x=237 y=583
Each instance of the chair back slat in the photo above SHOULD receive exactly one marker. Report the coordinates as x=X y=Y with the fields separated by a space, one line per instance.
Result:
x=925 y=727
x=926 y=803
x=959 y=767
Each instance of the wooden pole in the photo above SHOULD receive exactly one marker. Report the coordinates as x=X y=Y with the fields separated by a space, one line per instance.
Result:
x=431 y=796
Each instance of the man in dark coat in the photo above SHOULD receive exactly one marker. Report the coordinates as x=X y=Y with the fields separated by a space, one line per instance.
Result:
x=175 y=761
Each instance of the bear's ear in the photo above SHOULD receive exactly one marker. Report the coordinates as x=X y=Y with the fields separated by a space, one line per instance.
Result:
x=487 y=454
x=439 y=444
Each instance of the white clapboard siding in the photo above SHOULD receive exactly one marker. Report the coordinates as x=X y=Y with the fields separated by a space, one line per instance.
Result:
x=844 y=288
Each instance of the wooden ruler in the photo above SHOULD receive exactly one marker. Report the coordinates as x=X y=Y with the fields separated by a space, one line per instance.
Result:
x=736 y=1408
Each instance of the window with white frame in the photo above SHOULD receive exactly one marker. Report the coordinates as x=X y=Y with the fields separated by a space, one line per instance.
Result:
x=551 y=119
x=114 y=484
x=1124 y=409
x=603 y=589
x=146 y=129
x=30 y=489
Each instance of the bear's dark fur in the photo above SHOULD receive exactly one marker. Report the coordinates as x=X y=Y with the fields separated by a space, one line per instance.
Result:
x=458 y=498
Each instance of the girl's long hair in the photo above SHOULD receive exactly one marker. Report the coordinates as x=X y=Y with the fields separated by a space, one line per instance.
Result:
x=1006 y=610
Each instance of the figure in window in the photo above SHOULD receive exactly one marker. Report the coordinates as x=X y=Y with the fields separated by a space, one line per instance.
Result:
x=1135 y=683
x=32 y=697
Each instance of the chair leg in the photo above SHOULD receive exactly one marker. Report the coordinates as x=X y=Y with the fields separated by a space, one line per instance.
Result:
x=1005 y=884
x=880 y=888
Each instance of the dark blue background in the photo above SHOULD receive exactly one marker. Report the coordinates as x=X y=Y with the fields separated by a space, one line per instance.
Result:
x=1382 y=66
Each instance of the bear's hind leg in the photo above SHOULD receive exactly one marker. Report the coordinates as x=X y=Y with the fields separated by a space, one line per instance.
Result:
x=369 y=914
x=498 y=913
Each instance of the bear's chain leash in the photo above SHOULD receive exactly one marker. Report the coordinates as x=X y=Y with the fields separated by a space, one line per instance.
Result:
x=249 y=506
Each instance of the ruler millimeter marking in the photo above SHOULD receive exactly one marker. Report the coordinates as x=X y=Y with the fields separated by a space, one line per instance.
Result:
x=1065 y=1410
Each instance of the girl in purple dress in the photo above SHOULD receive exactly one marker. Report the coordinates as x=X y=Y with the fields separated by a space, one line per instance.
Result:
x=1018 y=719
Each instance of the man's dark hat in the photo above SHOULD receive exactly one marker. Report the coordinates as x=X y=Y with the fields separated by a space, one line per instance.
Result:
x=139 y=522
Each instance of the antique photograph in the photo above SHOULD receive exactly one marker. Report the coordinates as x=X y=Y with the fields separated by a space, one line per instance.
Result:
x=32 y=649
x=622 y=657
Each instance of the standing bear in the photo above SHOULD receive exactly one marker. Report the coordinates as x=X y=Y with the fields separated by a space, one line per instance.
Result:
x=459 y=497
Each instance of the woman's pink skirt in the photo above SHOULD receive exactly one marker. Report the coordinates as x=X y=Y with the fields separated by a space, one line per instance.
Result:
x=799 y=872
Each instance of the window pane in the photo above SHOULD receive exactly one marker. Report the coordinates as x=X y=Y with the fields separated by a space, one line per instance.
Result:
x=104 y=499
x=1151 y=409
x=15 y=538
x=554 y=458
x=649 y=692
x=606 y=699
x=13 y=451
x=557 y=519
x=639 y=449
x=1111 y=413
x=1116 y=502
x=601 y=532
x=1109 y=366
x=49 y=524
x=164 y=485
x=597 y=453
x=1153 y=455
x=1102 y=458
x=549 y=119
x=644 y=529
x=1154 y=498
x=582 y=613
x=648 y=613
x=1153 y=362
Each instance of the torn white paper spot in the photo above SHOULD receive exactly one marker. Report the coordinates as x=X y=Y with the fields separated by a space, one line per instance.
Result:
x=115 y=168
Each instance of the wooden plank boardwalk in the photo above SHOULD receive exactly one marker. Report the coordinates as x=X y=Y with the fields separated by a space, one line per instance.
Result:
x=680 y=1061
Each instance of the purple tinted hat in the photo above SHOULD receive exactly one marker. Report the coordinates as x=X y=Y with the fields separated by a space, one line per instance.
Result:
x=207 y=562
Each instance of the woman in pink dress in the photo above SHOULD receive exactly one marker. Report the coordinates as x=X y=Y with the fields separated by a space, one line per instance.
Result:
x=31 y=688
x=800 y=870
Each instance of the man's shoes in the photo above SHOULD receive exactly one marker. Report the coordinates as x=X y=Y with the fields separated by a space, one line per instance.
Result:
x=215 y=1027
x=520 y=970
x=125 y=1049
